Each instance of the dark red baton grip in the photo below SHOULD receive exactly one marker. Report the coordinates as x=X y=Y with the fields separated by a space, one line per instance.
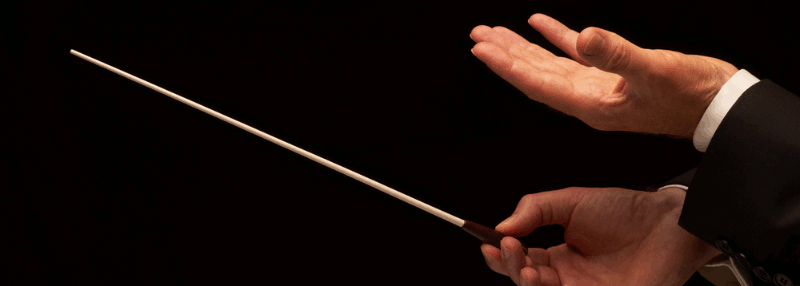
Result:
x=487 y=235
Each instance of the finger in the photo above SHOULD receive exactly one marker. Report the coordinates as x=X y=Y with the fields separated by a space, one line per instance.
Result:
x=536 y=271
x=551 y=89
x=539 y=271
x=535 y=49
x=610 y=52
x=539 y=209
x=539 y=256
x=486 y=34
x=522 y=42
x=548 y=276
x=561 y=256
x=562 y=37
x=513 y=257
x=493 y=259
x=529 y=276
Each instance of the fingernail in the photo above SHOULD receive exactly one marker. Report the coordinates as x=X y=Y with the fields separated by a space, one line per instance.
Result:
x=505 y=252
x=594 y=45
x=508 y=220
x=472 y=50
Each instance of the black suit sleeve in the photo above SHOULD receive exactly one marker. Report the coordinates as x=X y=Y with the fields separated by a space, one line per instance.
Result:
x=745 y=195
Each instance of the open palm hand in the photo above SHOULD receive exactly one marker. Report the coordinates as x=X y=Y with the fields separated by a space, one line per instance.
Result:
x=609 y=83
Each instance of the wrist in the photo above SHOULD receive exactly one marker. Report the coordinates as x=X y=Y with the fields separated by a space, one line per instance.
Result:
x=709 y=93
x=699 y=253
x=728 y=94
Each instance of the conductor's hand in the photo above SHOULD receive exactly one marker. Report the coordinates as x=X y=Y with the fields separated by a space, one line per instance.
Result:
x=610 y=83
x=613 y=237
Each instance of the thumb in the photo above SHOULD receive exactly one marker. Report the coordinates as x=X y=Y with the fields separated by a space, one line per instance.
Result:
x=610 y=52
x=540 y=209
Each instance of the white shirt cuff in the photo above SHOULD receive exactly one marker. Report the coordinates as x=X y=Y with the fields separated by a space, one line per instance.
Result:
x=679 y=186
x=719 y=107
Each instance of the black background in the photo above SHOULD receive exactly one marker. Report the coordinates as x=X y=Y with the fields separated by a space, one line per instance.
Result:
x=109 y=182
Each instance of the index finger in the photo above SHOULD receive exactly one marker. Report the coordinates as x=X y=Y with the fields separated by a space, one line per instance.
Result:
x=522 y=42
x=560 y=35
x=540 y=209
x=551 y=89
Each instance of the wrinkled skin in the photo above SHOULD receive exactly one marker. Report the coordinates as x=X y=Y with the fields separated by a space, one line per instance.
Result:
x=616 y=86
x=613 y=237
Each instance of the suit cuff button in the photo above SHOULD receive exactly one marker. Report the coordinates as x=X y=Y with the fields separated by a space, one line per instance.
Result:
x=743 y=261
x=723 y=246
x=782 y=280
x=762 y=274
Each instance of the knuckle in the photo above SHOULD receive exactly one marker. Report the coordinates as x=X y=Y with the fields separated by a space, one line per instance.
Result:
x=516 y=51
x=617 y=59
x=528 y=198
x=669 y=64
x=515 y=65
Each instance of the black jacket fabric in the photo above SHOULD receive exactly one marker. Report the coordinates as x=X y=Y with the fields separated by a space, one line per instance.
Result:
x=744 y=197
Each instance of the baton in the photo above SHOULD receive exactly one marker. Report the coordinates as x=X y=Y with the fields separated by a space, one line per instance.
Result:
x=485 y=234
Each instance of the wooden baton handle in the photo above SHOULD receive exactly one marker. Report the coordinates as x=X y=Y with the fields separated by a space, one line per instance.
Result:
x=487 y=235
